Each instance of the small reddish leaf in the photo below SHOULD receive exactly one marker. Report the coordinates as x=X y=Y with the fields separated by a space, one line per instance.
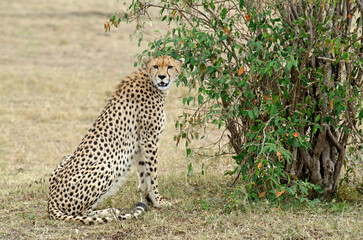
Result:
x=178 y=139
x=331 y=47
x=241 y=70
x=181 y=42
x=227 y=30
x=349 y=16
x=279 y=193
x=295 y=134
x=248 y=17
x=261 y=195
x=254 y=184
x=278 y=155
x=331 y=104
x=107 y=26
x=259 y=165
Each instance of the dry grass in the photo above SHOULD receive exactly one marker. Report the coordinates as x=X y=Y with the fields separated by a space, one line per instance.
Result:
x=57 y=68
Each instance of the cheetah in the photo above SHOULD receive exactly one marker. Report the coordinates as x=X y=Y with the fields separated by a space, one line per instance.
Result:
x=125 y=134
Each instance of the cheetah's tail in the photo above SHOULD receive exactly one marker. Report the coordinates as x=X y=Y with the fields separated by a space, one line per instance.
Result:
x=138 y=210
x=56 y=214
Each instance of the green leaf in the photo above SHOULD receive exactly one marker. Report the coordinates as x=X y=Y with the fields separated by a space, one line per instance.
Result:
x=190 y=169
x=239 y=158
x=200 y=99
x=241 y=4
x=250 y=114
x=277 y=66
x=360 y=114
x=243 y=170
x=256 y=112
x=189 y=151
x=318 y=188
x=223 y=13
x=224 y=37
x=212 y=5
x=273 y=111
x=288 y=66
x=317 y=118
x=189 y=100
x=345 y=56
x=291 y=191
x=184 y=100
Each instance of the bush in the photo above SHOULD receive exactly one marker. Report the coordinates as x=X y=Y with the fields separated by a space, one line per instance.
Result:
x=282 y=78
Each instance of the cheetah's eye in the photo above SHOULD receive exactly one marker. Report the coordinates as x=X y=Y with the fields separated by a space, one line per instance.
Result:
x=156 y=66
x=170 y=67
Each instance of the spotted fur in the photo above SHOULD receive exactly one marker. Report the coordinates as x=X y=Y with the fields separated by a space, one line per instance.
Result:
x=126 y=133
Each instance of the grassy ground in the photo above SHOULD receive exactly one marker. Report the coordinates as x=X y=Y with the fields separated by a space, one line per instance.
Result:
x=57 y=69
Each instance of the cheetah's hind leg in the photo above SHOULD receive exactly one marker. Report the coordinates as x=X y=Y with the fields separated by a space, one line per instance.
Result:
x=104 y=213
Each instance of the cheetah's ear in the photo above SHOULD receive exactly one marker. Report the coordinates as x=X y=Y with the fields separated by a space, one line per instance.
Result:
x=145 y=60
x=182 y=60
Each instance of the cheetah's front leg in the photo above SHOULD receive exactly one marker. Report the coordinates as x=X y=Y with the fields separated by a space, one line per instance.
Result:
x=147 y=173
x=144 y=180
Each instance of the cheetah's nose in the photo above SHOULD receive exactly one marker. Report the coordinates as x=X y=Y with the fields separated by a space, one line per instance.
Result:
x=162 y=77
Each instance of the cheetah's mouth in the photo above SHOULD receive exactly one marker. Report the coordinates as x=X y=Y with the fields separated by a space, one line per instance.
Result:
x=163 y=85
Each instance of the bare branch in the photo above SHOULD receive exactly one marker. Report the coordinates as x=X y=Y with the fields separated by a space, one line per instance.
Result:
x=360 y=5
x=306 y=157
x=319 y=147
x=327 y=59
x=334 y=141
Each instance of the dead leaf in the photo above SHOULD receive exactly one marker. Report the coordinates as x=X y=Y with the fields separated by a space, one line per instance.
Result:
x=241 y=70
x=248 y=17
x=279 y=193
x=227 y=30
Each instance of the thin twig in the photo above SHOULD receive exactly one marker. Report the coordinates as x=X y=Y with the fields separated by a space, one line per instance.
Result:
x=327 y=59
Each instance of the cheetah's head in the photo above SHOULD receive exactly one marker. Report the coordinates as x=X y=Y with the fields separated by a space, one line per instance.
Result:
x=163 y=70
